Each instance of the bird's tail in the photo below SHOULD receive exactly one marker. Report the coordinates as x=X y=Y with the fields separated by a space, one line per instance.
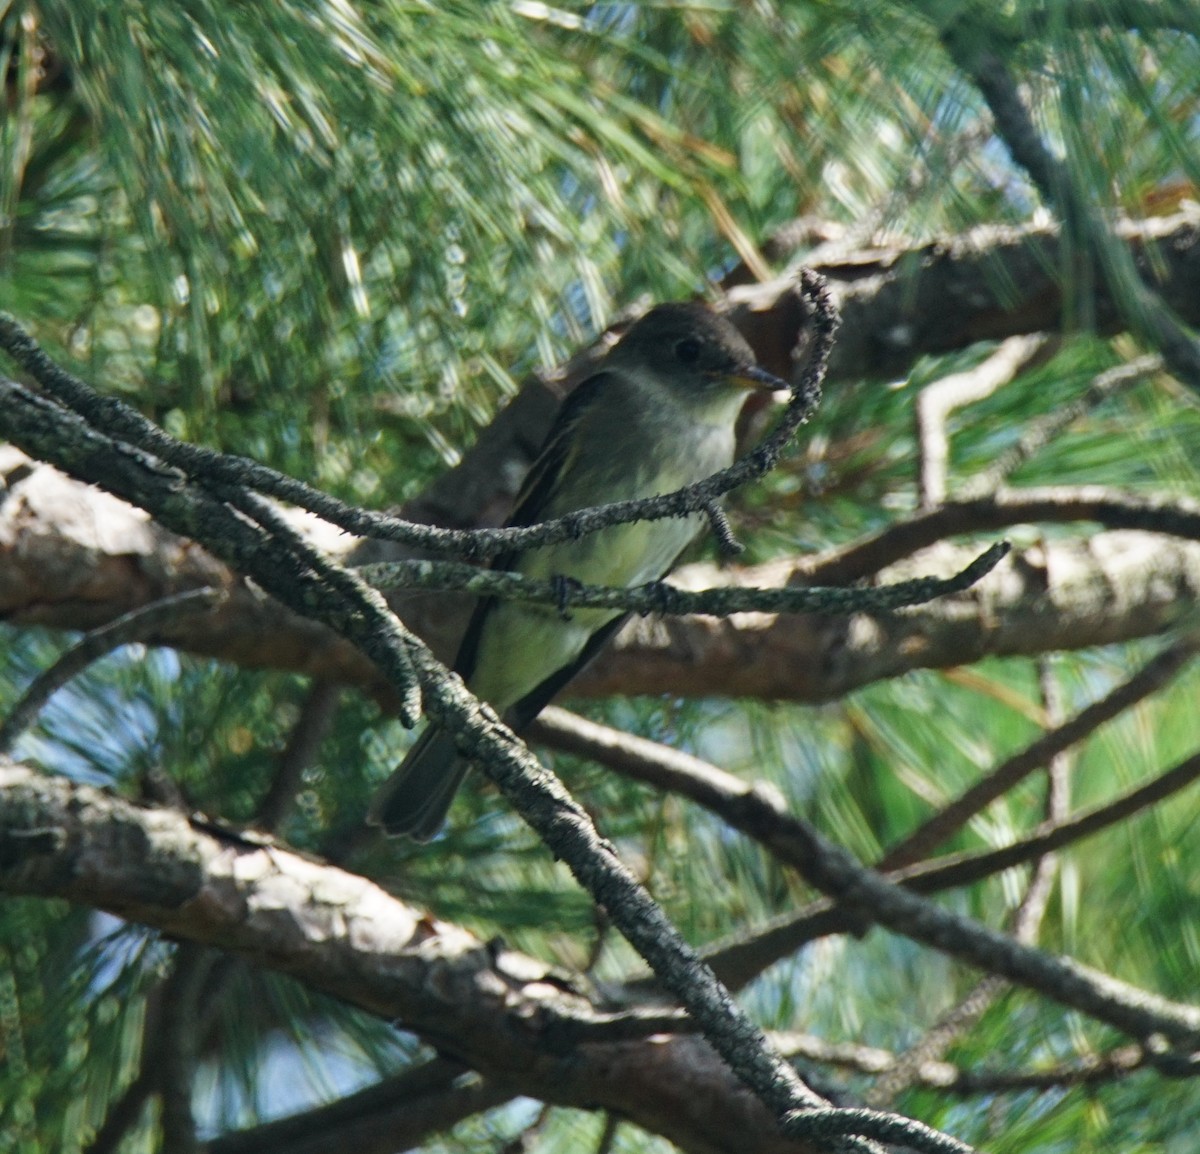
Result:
x=415 y=799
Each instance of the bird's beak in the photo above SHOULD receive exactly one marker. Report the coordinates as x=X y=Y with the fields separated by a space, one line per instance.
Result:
x=752 y=377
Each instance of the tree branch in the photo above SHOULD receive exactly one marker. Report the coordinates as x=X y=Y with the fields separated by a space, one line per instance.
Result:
x=1058 y=594
x=1175 y=516
x=1146 y=312
x=498 y=1012
x=961 y=1017
x=868 y=896
x=231 y=477
x=253 y=539
x=961 y=869
x=899 y=304
x=112 y=560
x=938 y=400
x=1156 y=673
x=137 y=625
x=659 y=597
x=1042 y=432
x=304 y=741
x=395 y=1113
x=1093 y=1069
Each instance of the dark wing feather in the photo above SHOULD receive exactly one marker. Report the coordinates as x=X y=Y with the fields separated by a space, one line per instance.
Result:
x=540 y=485
x=525 y=710
x=542 y=480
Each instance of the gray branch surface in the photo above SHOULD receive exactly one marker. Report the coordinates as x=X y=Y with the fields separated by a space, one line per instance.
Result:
x=508 y=1016
x=237 y=525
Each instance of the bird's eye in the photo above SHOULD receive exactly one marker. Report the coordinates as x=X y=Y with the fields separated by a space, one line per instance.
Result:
x=688 y=351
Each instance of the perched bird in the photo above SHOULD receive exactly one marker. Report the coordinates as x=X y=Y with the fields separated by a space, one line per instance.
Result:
x=658 y=415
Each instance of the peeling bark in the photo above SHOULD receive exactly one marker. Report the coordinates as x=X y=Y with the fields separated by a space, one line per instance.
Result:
x=515 y=1020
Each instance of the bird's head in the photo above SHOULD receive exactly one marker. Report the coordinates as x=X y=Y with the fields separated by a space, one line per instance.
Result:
x=694 y=352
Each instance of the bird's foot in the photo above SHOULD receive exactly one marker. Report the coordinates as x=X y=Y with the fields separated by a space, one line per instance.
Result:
x=563 y=588
x=665 y=597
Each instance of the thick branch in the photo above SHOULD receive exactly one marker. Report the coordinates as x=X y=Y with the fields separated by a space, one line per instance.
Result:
x=898 y=305
x=1058 y=595
x=110 y=559
x=497 y=1012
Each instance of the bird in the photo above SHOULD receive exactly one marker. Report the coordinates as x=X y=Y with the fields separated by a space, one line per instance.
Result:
x=658 y=414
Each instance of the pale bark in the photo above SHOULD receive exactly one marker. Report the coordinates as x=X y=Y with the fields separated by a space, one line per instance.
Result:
x=527 y=1026
x=72 y=557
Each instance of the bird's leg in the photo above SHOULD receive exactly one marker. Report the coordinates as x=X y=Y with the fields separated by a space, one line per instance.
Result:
x=727 y=543
x=563 y=588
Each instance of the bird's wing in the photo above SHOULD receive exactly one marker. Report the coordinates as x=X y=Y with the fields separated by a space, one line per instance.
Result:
x=556 y=457
x=518 y=716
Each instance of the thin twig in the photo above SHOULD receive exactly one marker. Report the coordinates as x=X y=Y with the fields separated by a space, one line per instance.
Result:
x=1040 y=433
x=137 y=625
x=312 y=726
x=608 y=1136
x=741 y=960
x=922 y=841
x=166 y=1058
x=1175 y=516
x=177 y=1058
x=1095 y=1069
x=961 y=869
x=407 y=1107
x=870 y=896
x=118 y=420
x=961 y=1018
x=657 y=597
x=727 y=544
x=1144 y=309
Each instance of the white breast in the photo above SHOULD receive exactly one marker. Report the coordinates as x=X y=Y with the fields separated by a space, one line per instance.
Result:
x=521 y=645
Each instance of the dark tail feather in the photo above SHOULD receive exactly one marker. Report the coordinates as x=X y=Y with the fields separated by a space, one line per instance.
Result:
x=415 y=799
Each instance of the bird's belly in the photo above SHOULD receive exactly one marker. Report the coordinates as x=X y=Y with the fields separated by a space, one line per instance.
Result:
x=525 y=644
x=521 y=644
x=621 y=555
